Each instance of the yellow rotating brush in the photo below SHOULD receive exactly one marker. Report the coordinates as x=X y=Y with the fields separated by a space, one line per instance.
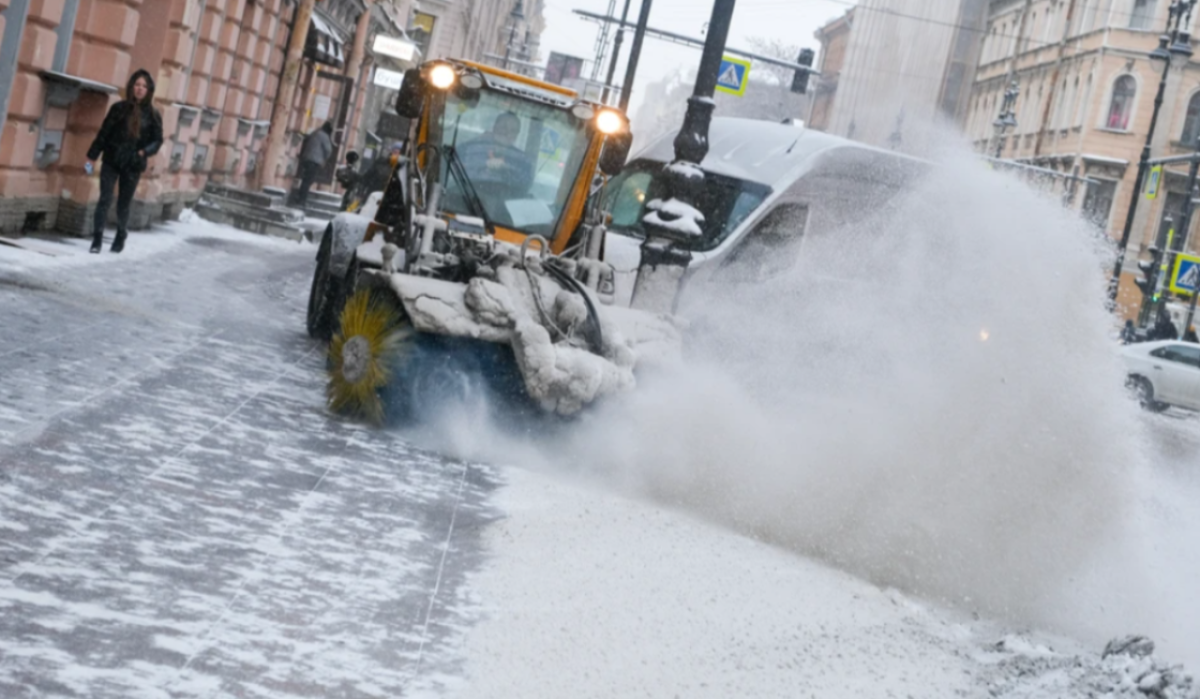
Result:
x=373 y=330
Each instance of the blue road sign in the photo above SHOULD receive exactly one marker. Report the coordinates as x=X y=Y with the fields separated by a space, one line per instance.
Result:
x=733 y=76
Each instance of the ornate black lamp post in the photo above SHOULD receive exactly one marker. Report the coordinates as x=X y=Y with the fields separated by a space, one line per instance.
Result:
x=674 y=222
x=1174 y=43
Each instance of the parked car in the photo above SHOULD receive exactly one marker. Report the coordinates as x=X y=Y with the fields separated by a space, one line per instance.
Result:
x=1163 y=374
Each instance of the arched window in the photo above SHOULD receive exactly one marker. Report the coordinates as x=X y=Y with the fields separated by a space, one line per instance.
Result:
x=1121 y=106
x=1191 y=123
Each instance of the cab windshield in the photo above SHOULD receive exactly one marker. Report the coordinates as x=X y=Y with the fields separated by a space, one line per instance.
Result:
x=519 y=157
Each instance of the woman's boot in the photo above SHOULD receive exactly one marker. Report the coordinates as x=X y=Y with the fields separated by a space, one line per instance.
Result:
x=118 y=242
x=97 y=241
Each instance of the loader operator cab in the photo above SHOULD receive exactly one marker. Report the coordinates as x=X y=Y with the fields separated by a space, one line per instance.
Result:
x=512 y=153
x=521 y=159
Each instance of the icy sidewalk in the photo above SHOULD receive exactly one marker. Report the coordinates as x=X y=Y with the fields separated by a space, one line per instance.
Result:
x=609 y=597
x=48 y=251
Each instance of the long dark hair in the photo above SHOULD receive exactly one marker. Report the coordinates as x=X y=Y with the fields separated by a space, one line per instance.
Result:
x=135 y=115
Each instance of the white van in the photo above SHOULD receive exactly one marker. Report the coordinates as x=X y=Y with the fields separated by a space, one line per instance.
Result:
x=769 y=187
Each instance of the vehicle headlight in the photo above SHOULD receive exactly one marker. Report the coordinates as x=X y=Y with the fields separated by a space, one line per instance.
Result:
x=442 y=76
x=609 y=121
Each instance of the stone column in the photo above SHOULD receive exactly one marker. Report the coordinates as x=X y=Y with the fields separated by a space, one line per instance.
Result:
x=354 y=71
x=27 y=196
x=269 y=171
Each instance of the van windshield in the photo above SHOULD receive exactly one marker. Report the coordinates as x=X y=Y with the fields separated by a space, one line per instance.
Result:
x=726 y=203
x=521 y=158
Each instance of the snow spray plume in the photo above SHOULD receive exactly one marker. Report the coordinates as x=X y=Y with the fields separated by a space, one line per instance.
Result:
x=929 y=398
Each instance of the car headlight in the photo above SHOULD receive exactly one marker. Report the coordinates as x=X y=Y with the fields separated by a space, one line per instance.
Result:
x=442 y=76
x=609 y=121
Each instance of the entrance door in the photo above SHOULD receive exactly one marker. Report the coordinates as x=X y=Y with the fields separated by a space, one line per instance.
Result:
x=336 y=104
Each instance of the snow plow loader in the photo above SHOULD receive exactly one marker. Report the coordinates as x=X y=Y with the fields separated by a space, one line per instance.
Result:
x=481 y=270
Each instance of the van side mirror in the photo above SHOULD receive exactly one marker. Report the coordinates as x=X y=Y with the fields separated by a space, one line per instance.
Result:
x=615 y=153
x=412 y=94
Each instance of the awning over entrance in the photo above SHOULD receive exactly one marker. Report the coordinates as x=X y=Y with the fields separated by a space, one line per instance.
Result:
x=324 y=45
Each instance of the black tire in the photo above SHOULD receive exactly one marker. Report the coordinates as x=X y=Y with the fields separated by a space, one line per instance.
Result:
x=327 y=294
x=1143 y=390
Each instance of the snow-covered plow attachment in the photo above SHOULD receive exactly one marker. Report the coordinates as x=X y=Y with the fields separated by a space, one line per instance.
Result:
x=523 y=331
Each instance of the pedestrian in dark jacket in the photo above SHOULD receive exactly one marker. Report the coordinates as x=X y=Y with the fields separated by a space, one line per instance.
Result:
x=1164 y=329
x=314 y=153
x=130 y=135
x=1190 y=335
x=376 y=175
x=1128 y=333
x=347 y=176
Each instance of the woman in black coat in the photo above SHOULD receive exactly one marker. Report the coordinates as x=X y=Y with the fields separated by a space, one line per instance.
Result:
x=132 y=133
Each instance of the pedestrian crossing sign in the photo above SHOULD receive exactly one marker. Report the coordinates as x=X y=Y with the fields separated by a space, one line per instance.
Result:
x=1186 y=277
x=1154 y=181
x=733 y=76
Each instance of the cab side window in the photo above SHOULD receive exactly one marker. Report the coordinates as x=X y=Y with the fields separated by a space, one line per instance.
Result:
x=630 y=201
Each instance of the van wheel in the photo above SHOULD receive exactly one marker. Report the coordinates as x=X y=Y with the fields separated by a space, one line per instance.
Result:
x=1144 y=391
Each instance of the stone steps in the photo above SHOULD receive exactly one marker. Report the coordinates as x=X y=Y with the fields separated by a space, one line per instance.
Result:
x=256 y=212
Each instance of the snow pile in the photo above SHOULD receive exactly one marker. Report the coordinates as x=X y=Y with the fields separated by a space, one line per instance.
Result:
x=1127 y=669
x=675 y=215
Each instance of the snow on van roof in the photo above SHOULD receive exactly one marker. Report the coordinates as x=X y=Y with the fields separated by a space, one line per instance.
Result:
x=770 y=153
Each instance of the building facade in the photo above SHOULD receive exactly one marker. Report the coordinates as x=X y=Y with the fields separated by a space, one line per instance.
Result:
x=894 y=72
x=480 y=30
x=218 y=66
x=833 y=38
x=1086 y=89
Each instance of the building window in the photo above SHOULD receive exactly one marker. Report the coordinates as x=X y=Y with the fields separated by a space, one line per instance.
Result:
x=422 y=32
x=1098 y=201
x=1121 y=105
x=1191 y=123
x=1143 y=11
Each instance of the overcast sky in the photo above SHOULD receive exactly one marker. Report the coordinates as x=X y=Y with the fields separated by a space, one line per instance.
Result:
x=792 y=21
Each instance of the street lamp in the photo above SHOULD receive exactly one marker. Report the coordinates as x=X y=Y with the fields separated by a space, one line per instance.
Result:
x=1173 y=43
x=514 y=18
x=673 y=222
x=1007 y=118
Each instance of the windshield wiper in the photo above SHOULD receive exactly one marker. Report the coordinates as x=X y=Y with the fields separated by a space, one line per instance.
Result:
x=459 y=171
x=456 y=169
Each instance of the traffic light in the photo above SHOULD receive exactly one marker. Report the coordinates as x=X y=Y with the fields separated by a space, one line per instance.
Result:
x=1147 y=283
x=800 y=78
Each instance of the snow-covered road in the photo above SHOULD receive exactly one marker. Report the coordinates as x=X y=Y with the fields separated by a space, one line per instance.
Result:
x=180 y=517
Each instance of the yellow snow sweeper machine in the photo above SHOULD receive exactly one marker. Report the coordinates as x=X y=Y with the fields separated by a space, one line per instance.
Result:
x=480 y=271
